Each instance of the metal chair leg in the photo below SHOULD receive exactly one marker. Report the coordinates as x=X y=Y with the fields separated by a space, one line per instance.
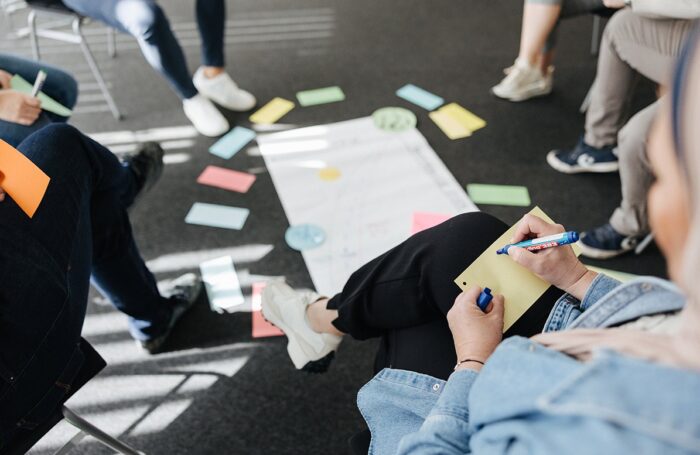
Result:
x=77 y=29
x=644 y=243
x=101 y=436
x=111 y=42
x=33 y=38
x=595 y=35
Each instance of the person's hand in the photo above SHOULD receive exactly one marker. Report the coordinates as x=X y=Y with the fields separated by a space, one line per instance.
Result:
x=5 y=79
x=19 y=108
x=558 y=265
x=615 y=4
x=476 y=333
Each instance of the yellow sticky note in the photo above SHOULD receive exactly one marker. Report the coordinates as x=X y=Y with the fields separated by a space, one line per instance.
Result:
x=272 y=111
x=21 y=179
x=520 y=287
x=449 y=125
x=463 y=116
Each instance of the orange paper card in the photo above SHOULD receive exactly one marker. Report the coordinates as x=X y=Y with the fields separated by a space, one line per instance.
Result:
x=21 y=179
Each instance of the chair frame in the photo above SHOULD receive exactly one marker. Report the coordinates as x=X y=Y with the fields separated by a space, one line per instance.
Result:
x=88 y=429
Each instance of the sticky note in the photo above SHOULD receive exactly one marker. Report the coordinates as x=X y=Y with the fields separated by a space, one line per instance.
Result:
x=425 y=220
x=47 y=103
x=272 y=111
x=221 y=282
x=420 y=97
x=499 y=194
x=520 y=287
x=232 y=142
x=449 y=125
x=320 y=96
x=261 y=328
x=394 y=119
x=463 y=116
x=21 y=179
x=214 y=215
x=226 y=178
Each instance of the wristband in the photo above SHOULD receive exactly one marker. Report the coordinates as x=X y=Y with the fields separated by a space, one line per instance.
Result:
x=467 y=360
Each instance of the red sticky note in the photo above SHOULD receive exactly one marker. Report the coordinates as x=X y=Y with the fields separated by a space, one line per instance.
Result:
x=226 y=178
x=425 y=220
x=21 y=179
x=261 y=328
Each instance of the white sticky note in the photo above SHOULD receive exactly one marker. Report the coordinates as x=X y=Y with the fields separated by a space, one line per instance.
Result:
x=222 y=285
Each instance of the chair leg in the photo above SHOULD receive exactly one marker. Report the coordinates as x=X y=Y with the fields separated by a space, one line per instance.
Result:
x=111 y=42
x=33 y=38
x=595 y=35
x=70 y=445
x=644 y=243
x=101 y=436
x=87 y=53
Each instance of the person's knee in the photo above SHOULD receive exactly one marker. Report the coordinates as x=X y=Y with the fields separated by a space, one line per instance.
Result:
x=620 y=25
x=68 y=87
x=476 y=222
x=141 y=18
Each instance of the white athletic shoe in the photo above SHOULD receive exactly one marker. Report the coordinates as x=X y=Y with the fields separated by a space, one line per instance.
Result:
x=224 y=91
x=205 y=117
x=286 y=308
x=523 y=82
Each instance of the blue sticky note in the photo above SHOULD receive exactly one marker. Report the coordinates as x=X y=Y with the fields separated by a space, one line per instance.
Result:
x=232 y=142
x=420 y=97
x=302 y=237
x=214 y=215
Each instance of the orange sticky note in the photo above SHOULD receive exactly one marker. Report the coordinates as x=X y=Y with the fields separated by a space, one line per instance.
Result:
x=261 y=328
x=226 y=178
x=21 y=179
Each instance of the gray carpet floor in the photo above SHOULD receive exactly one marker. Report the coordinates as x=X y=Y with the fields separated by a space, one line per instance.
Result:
x=216 y=390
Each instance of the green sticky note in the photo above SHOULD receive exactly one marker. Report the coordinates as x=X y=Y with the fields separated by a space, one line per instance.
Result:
x=320 y=96
x=499 y=194
x=47 y=103
x=394 y=119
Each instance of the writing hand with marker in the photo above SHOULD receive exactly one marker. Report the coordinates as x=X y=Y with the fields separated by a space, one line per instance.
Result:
x=16 y=107
x=558 y=266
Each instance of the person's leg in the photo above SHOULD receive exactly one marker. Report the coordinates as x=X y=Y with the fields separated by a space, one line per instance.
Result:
x=145 y=21
x=211 y=20
x=631 y=44
x=539 y=20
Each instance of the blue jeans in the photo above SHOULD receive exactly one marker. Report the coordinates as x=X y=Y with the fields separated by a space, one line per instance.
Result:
x=59 y=85
x=146 y=21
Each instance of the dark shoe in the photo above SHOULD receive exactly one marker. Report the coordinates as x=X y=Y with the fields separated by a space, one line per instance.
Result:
x=147 y=166
x=605 y=242
x=183 y=292
x=584 y=158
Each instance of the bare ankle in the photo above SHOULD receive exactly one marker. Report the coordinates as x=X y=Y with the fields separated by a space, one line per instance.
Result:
x=321 y=318
x=212 y=71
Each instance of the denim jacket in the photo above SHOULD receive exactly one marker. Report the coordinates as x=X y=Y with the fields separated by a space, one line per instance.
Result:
x=529 y=399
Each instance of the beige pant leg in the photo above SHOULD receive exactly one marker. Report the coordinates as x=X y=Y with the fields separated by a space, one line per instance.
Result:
x=631 y=45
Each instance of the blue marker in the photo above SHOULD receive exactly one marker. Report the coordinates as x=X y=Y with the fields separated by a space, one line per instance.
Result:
x=484 y=299
x=544 y=242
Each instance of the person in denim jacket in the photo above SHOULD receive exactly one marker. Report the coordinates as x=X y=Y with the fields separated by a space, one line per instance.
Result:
x=622 y=378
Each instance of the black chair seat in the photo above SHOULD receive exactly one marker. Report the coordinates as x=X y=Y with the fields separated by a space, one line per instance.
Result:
x=93 y=363
x=604 y=12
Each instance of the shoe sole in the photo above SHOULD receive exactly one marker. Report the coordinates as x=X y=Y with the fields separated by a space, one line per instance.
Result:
x=294 y=349
x=527 y=95
x=595 y=253
x=601 y=168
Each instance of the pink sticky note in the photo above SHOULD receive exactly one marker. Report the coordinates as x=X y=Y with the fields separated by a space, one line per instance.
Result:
x=226 y=179
x=261 y=328
x=425 y=220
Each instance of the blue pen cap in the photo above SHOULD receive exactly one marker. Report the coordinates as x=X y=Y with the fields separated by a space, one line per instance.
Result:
x=572 y=236
x=484 y=299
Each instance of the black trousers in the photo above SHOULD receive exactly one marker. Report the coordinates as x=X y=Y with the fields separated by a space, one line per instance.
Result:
x=404 y=295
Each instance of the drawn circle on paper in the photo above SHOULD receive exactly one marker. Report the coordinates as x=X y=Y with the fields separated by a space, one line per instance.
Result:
x=329 y=174
x=303 y=237
x=394 y=119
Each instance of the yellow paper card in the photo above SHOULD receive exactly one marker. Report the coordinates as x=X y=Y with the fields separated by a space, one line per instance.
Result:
x=21 y=179
x=520 y=287
x=463 y=116
x=449 y=125
x=272 y=111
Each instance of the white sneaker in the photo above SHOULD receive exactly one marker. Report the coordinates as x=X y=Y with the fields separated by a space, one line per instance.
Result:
x=224 y=91
x=205 y=117
x=286 y=308
x=523 y=82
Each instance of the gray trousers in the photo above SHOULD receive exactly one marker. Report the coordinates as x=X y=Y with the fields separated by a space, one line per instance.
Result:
x=631 y=45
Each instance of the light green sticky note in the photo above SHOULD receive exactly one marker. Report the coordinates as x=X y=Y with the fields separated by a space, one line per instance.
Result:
x=394 y=119
x=320 y=96
x=499 y=194
x=47 y=103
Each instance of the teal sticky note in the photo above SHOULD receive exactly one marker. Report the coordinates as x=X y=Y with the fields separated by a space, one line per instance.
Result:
x=221 y=216
x=232 y=142
x=420 y=97
x=499 y=194
x=320 y=96
x=47 y=103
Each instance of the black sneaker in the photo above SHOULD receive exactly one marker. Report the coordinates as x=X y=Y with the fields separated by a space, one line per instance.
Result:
x=147 y=166
x=584 y=158
x=183 y=292
x=605 y=242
